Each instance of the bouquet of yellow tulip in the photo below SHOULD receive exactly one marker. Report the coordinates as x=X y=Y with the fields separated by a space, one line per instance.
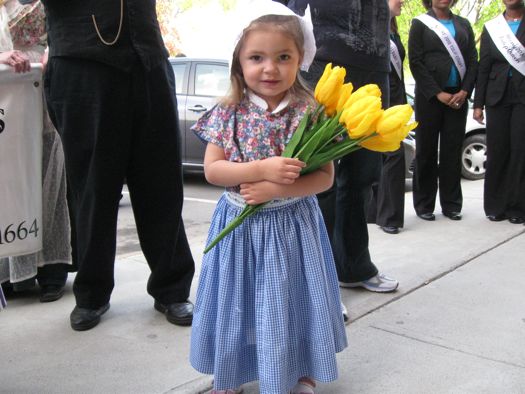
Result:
x=343 y=122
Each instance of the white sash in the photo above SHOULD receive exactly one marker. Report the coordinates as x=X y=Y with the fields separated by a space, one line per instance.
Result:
x=507 y=43
x=395 y=59
x=21 y=123
x=448 y=41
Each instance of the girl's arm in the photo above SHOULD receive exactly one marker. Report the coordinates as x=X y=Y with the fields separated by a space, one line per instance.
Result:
x=221 y=172
x=313 y=183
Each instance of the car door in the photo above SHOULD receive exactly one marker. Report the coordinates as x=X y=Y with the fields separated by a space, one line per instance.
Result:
x=209 y=80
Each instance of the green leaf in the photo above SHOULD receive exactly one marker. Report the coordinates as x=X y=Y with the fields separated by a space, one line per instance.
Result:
x=297 y=136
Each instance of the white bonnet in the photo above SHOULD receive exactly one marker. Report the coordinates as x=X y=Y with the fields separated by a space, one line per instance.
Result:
x=249 y=10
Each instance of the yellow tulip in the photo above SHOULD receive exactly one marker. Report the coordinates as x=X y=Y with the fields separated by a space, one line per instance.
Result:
x=388 y=142
x=330 y=89
x=394 y=118
x=363 y=91
x=326 y=73
x=346 y=92
x=361 y=118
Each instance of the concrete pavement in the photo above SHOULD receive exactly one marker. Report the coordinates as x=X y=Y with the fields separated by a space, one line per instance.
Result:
x=455 y=325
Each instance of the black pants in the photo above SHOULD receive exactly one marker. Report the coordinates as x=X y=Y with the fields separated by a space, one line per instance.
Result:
x=504 y=192
x=344 y=205
x=116 y=125
x=391 y=190
x=438 y=124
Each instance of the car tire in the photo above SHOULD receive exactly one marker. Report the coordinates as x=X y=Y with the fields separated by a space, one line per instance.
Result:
x=474 y=157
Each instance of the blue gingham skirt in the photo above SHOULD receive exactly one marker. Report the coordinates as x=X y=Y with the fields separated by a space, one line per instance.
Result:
x=268 y=305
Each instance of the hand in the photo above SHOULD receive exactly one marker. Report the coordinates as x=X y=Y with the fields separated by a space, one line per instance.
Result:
x=258 y=192
x=478 y=115
x=458 y=99
x=281 y=169
x=444 y=97
x=16 y=59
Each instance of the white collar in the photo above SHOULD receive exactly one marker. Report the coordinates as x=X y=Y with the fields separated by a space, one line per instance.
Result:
x=260 y=102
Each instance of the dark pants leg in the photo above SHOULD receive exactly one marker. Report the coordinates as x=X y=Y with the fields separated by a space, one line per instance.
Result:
x=391 y=190
x=438 y=123
x=344 y=205
x=52 y=274
x=504 y=188
x=115 y=124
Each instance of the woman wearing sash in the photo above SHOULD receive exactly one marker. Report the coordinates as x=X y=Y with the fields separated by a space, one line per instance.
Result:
x=391 y=189
x=23 y=41
x=443 y=60
x=500 y=88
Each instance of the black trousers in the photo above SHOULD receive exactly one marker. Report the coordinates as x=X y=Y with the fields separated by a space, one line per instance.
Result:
x=391 y=190
x=504 y=189
x=439 y=125
x=345 y=204
x=119 y=125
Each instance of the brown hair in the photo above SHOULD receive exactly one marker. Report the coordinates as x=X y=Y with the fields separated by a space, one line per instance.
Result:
x=285 y=24
x=393 y=25
x=428 y=4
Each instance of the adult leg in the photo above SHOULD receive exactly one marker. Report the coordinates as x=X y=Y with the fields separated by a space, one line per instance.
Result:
x=516 y=172
x=449 y=173
x=86 y=106
x=429 y=114
x=391 y=190
x=154 y=178
x=495 y=191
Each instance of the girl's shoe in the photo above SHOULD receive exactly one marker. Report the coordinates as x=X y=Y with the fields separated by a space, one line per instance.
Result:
x=303 y=387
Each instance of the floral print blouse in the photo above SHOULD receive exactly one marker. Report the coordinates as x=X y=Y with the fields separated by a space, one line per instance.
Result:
x=28 y=26
x=248 y=132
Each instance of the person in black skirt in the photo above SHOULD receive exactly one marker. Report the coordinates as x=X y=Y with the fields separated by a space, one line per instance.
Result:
x=391 y=188
x=443 y=59
x=500 y=88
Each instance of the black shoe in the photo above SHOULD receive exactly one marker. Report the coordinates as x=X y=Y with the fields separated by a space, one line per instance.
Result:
x=453 y=215
x=517 y=220
x=496 y=218
x=179 y=313
x=83 y=319
x=49 y=293
x=390 y=229
x=427 y=216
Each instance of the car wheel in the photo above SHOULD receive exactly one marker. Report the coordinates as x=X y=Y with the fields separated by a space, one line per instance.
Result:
x=474 y=156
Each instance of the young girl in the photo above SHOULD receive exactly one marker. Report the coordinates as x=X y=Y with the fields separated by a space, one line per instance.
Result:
x=268 y=304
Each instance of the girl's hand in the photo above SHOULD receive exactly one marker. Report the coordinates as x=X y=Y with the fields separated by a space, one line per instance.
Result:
x=281 y=169
x=16 y=59
x=478 y=115
x=258 y=192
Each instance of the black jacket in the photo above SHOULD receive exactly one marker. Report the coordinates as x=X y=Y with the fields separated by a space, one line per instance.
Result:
x=350 y=32
x=430 y=61
x=397 y=85
x=494 y=70
x=71 y=31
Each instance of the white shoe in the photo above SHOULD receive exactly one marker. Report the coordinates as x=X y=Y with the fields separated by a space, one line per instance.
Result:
x=346 y=317
x=379 y=284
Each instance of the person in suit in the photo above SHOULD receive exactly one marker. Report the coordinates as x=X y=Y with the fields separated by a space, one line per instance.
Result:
x=353 y=34
x=500 y=89
x=391 y=188
x=111 y=95
x=443 y=59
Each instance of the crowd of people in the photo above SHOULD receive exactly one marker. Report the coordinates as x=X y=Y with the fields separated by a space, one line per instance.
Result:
x=268 y=306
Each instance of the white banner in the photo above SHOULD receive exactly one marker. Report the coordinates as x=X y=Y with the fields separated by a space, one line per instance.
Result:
x=21 y=128
x=395 y=59
x=448 y=41
x=507 y=43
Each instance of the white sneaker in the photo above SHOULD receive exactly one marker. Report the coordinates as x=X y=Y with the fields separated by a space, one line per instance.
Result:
x=379 y=284
x=346 y=317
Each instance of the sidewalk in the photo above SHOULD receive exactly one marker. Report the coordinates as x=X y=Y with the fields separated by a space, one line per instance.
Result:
x=456 y=324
